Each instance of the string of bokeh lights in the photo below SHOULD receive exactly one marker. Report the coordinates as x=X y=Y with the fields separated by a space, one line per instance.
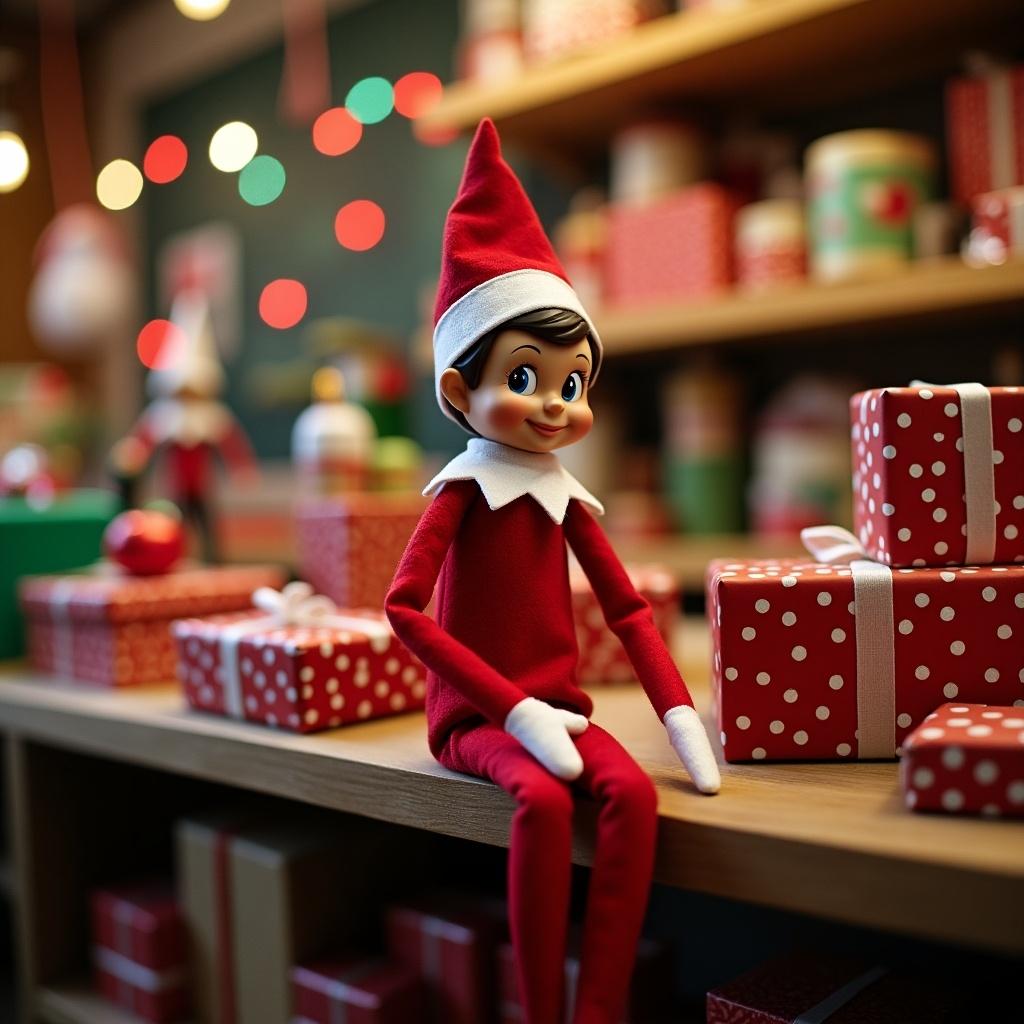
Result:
x=359 y=224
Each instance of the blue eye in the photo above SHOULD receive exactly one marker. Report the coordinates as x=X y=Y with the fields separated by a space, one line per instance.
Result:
x=523 y=380
x=572 y=389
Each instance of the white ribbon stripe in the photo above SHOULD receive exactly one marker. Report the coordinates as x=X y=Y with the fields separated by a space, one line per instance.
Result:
x=134 y=974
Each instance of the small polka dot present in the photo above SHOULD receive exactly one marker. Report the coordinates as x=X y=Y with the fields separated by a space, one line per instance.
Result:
x=103 y=626
x=356 y=991
x=826 y=662
x=602 y=658
x=939 y=474
x=304 y=667
x=966 y=759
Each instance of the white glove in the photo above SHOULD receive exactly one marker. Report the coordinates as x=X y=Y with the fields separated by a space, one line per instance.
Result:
x=546 y=733
x=690 y=742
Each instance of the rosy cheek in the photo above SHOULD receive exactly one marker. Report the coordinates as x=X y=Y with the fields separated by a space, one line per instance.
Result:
x=505 y=409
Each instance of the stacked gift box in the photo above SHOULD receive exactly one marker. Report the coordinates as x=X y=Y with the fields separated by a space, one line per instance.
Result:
x=843 y=657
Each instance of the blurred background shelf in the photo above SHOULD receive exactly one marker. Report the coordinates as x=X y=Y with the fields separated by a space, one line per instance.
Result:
x=945 y=288
x=77 y=1003
x=764 y=54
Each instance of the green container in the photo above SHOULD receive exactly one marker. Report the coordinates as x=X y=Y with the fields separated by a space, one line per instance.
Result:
x=706 y=494
x=62 y=536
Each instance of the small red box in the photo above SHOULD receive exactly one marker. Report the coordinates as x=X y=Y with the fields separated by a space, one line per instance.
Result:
x=677 y=247
x=556 y=28
x=966 y=759
x=789 y=679
x=985 y=128
x=140 y=950
x=789 y=989
x=650 y=993
x=115 y=629
x=349 y=547
x=997 y=226
x=301 y=678
x=910 y=470
x=602 y=658
x=454 y=951
x=356 y=991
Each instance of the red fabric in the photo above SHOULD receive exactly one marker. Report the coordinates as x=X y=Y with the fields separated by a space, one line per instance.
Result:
x=540 y=858
x=492 y=227
x=504 y=628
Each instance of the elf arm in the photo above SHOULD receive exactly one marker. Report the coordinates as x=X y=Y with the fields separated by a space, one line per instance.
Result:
x=630 y=619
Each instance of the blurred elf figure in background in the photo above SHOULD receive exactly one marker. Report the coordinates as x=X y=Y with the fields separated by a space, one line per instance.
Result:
x=186 y=421
x=515 y=354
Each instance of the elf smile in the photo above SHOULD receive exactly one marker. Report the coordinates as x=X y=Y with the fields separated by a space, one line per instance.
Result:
x=546 y=429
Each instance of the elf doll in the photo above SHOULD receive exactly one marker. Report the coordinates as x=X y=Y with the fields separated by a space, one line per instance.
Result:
x=515 y=354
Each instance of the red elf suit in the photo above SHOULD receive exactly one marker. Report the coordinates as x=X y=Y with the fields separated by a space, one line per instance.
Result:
x=501 y=655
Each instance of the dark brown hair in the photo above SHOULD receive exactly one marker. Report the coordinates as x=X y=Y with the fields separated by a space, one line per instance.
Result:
x=560 y=326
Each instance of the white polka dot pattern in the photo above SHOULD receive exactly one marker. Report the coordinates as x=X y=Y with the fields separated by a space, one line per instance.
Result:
x=785 y=658
x=303 y=679
x=115 y=630
x=602 y=658
x=966 y=759
x=921 y=481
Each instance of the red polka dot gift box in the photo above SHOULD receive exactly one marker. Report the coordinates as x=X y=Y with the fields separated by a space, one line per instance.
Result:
x=356 y=991
x=966 y=759
x=602 y=658
x=298 y=663
x=106 y=627
x=825 y=662
x=939 y=474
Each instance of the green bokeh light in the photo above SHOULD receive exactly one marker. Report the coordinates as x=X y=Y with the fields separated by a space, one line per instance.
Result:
x=261 y=180
x=370 y=100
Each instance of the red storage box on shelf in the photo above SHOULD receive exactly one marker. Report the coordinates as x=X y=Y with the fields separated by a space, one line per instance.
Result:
x=140 y=950
x=556 y=28
x=650 y=992
x=985 y=128
x=939 y=474
x=333 y=670
x=349 y=547
x=602 y=658
x=356 y=991
x=997 y=227
x=967 y=759
x=840 y=990
x=454 y=950
x=110 y=628
x=677 y=247
x=812 y=664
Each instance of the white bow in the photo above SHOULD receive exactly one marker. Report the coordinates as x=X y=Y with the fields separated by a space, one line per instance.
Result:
x=295 y=605
x=831 y=544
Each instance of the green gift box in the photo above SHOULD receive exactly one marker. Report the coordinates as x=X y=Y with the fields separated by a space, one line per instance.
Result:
x=62 y=535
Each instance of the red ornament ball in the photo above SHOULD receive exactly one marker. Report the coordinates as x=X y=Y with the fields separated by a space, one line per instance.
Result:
x=146 y=542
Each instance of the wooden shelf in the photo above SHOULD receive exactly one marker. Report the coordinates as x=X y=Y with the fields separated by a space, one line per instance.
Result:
x=828 y=840
x=77 y=1003
x=775 y=54
x=943 y=288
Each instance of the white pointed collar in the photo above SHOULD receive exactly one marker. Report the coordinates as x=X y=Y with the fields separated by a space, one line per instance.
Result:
x=505 y=474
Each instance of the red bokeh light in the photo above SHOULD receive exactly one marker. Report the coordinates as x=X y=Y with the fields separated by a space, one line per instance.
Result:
x=152 y=339
x=283 y=303
x=165 y=159
x=336 y=131
x=359 y=225
x=417 y=93
x=434 y=136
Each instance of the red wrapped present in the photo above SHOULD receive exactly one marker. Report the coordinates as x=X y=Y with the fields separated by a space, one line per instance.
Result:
x=107 y=627
x=939 y=474
x=985 y=128
x=349 y=547
x=554 y=28
x=650 y=992
x=676 y=247
x=454 y=951
x=997 y=227
x=602 y=658
x=967 y=759
x=818 y=661
x=297 y=664
x=140 y=950
x=841 y=990
x=356 y=991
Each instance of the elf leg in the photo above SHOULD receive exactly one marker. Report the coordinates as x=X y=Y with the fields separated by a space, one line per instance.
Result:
x=620 y=878
x=539 y=861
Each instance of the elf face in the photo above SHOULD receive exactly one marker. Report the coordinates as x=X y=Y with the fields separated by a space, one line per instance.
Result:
x=532 y=393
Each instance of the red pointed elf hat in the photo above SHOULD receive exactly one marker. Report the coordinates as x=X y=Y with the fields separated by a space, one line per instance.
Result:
x=496 y=261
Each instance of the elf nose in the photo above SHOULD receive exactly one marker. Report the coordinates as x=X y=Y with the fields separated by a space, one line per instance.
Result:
x=553 y=403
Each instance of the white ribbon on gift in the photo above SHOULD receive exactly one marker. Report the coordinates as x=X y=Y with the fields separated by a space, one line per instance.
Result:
x=979 y=475
x=129 y=972
x=872 y=603
x=295 y=605
x=832 y=1004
